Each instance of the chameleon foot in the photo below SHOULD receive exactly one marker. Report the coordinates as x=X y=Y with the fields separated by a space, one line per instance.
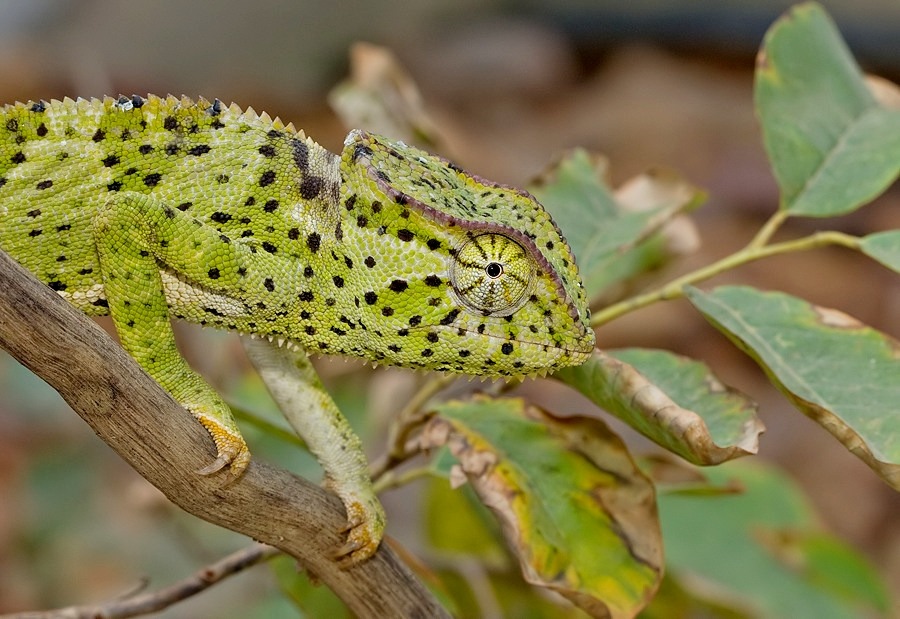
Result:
x=232 y=451
x=365 y=529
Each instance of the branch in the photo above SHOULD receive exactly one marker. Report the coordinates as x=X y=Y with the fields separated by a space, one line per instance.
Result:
x=131 y=413
x=145 y=603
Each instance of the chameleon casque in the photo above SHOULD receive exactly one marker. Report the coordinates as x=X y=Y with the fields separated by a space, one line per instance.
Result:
x=149 y=209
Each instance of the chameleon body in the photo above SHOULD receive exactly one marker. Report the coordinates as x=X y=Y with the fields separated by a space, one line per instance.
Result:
x=152 y=208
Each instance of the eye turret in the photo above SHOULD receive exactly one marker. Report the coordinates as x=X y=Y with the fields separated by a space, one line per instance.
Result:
x=492 y=274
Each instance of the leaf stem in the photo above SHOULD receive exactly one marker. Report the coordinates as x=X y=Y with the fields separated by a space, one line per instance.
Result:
x=753 y=251
x=768 y=230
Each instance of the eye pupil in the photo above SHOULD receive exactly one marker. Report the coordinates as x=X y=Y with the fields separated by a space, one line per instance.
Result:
x=494 y=269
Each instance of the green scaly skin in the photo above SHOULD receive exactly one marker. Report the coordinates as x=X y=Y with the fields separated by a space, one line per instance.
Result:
x=152 y=208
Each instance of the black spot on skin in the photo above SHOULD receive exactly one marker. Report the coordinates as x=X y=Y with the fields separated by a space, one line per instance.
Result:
x=310 y=330
x=268 y=284
x=152 y=179
x=376 y=207
x=213 y=273
x=2 y=181
x=247 y=233
x=337 y=331
x=433 y=244
x=61 y=258
x=98 y=135
x=172 y=149
x=339 y=232
x=34 y=212
x=300 y=153
x=308 y=271
x=41 y=130
x=433 y=280
x=57 y=285
x=350 y=202
x=403 y=332
x=200 y=149
x=361 y=221
x=217 y=124
x=215 y=109
x=360 y=151
x=427 y=352
x=348 y=262
x=63 y=227
x=405 y=235
x=507 y=348
x=170 y=213
x=401 y=198
x=270 y=206
x=338 y=281
x=398 y=285
x=549 y=244
x=170 y=123
x=370 y=297
x=110 y=161
x=294 y=234
x=220 y=218
x=267 y=150
x=450 y=317
x=311 y=186
x=432 y=337
x=267 y=178
x=222 y=179
x=85 y=271
x=145 y=149
x=387 y=311
x=269 y=247
x=186 y=205
x=12 y=124
x=369 y=261
x=36 y=232
x=394 y=348
x=19 y=157
x=480 y=328
x=131 y=171
x=39 y=107
x=306 y=295
x=100 y=303
x=313 y=241
x=242 y=271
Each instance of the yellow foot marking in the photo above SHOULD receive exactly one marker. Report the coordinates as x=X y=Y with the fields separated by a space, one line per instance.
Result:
x=232 y=451
x=365 y=528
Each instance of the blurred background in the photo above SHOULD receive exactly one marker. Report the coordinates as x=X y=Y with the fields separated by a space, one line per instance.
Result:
x=512 y=85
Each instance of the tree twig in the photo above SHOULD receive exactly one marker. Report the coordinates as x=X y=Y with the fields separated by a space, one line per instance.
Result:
x=145 y=603
x=166 y=446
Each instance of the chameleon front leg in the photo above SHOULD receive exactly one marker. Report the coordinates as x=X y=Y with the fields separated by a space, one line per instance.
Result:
x=296 y=388
x=133 y=232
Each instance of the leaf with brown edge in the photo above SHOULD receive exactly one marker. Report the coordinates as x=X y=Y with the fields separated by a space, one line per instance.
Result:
x=572 y=504
x=842 y=374
x=672 y=400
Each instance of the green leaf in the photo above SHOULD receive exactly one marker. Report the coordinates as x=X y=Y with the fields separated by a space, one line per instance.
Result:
x=763 y=551
x=609 y=232
x=572 y=504
x=672 y=400
x=841 y=373
x=832 y=146
x=883 y=247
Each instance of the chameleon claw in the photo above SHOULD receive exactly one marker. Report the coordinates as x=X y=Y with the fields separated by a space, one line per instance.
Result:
x=233 y=453
x=364 y=530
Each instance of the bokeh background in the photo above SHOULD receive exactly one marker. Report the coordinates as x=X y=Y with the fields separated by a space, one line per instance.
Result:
x=512 y=85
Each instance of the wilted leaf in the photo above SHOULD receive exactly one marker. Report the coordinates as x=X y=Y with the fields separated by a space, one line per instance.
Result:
x=572 y=504
x=673 y=401
x=763 y=551
x=381 y=96
x=832 y=145
x=609 y=232
x=883 y=247
x=841 y=373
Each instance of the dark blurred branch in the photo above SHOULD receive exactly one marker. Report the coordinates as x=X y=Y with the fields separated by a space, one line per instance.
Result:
x=140 y=421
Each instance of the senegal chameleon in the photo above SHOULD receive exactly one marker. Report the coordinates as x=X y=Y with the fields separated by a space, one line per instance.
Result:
x=152 y=208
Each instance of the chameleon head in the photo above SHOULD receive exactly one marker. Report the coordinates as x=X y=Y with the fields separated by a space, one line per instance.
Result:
x=457 y=273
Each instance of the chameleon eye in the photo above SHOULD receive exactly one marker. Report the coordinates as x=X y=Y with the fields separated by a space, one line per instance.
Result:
x=492 y=273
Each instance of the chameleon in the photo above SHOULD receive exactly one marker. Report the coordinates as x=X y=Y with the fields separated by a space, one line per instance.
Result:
x=149 y=209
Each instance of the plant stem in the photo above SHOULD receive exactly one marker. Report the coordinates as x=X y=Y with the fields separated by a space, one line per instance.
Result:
x=768 y=230
x=675 y=288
